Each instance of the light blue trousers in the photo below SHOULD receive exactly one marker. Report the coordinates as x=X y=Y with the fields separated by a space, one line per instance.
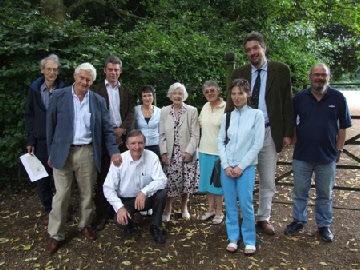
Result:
x=241 y=187
x=324 y=183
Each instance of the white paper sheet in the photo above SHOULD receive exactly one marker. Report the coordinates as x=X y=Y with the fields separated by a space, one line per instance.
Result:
x=33 y=167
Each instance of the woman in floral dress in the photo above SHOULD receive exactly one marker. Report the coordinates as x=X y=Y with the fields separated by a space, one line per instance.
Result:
x=178 y=140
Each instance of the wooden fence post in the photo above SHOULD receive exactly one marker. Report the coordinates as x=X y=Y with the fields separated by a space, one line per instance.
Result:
x=230 y=66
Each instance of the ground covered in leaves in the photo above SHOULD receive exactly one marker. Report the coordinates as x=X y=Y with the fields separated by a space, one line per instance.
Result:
x=191 y=244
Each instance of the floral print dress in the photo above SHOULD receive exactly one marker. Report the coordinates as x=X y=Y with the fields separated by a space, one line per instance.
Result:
x=182 y=177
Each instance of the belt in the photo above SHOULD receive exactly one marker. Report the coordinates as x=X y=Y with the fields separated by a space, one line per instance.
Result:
x=80 y=145
x=267 y=125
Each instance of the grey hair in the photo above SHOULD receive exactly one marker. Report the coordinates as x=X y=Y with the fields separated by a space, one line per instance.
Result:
x=88 y=67
x=177 y=85
x=51 y=57
x=210 y=83
x=323 y=65
x=113 y=60
x=134 y=133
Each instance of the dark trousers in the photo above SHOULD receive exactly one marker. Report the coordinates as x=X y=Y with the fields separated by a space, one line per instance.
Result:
x=103 y=209
x=156 y=202
x=44 y=185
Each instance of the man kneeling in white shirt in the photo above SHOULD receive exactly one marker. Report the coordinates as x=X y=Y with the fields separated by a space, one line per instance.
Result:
x=138 y=184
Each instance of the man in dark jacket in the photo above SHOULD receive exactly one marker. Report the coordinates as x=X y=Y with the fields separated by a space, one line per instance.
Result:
x=271 y=93
x=35 y=118
x=119 y=101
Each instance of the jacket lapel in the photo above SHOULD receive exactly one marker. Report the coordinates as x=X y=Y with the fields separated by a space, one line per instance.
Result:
x=92 y=110
x=182 y=117
x=104 y=94
x=270 y=76
x=39 y=101
x=70 y=105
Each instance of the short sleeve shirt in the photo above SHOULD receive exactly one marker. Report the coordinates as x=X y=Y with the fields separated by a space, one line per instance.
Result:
x=210 y=122
x=317 y=124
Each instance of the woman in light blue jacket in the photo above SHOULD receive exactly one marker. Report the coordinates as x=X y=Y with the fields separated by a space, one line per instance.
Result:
x=238 y=159
x=147 y=119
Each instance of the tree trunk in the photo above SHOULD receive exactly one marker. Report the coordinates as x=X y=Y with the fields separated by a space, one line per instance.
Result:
x=54 y=9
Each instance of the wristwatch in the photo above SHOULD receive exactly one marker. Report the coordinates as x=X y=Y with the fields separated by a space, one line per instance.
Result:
x=341 y=150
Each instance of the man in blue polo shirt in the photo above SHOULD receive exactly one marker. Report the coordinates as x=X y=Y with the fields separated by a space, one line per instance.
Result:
x=321 y=118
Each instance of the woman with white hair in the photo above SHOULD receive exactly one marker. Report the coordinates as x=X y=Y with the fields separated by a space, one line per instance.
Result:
x=178 y=140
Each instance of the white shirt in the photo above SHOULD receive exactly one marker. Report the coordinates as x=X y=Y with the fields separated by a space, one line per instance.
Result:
x=82 y=133
x=114 y=104
x=263 y=82
x=145 y=175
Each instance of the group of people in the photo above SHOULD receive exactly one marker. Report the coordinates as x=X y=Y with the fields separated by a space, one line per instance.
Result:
x=140 y=158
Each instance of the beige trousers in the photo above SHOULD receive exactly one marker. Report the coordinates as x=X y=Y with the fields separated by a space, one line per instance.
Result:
x=80 y=160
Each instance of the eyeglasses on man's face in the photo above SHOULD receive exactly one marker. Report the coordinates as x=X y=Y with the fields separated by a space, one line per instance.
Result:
x=211 y=90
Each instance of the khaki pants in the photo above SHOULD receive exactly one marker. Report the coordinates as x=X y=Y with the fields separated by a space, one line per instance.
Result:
x=80 y=160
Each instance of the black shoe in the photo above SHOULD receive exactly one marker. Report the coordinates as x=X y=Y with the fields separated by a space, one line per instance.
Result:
x=129 y=228
x=326 y=234
x=157 y=234
x=100 y=224
x=294 y=228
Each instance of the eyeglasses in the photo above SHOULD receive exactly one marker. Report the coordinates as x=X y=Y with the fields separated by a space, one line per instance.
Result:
x=212 y=91
x=324 y=75
x=51 y=69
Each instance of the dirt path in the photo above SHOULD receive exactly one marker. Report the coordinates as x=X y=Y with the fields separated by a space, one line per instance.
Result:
x=190 y=244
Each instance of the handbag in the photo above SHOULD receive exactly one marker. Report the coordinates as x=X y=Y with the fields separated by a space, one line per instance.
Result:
x=215 y=175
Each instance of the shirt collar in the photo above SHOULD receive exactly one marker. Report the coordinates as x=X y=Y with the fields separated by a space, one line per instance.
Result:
x=74 y=95
x=245 y=108
x=264 y=67
x=44 y=87
x=107 y=83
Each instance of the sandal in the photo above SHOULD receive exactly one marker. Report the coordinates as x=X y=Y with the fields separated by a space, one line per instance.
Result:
x=185 y=215
x=165 y=218
x=218 y=219
x=207 y=215
x=232 y=247
x=249 y=250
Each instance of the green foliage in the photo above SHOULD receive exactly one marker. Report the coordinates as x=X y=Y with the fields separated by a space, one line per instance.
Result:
x=172 y=41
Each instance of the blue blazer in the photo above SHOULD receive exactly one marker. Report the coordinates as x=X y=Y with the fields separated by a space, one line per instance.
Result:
x=59 y=127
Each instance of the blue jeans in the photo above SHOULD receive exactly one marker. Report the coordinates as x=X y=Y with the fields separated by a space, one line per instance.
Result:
x=240 y=187
x=324 y=183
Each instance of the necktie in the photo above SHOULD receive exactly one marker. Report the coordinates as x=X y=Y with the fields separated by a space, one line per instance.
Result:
x=256 y=91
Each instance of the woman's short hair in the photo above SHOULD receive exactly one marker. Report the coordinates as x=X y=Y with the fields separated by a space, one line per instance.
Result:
x=210 y=83
x=88 y=67
x=242 y=84
x=177 y=85
x=147 y=88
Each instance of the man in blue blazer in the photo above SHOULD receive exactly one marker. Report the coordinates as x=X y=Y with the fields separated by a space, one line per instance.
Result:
x=76 y=120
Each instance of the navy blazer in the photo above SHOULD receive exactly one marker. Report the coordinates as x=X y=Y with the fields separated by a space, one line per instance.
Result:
x=60 y=121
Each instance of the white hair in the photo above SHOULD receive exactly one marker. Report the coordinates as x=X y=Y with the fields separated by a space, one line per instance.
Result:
x=51 y=57
x=88 y=67
x=177 y=85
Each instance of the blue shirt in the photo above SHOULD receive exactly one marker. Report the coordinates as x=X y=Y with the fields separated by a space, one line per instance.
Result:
x=82 y=115
x=246 y=133
x=317 y=125
x=45 y=94
x=149 y=129
x=263 y=80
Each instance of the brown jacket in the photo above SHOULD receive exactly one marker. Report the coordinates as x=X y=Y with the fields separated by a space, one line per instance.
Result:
x=278 y=99
x=126 y=103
